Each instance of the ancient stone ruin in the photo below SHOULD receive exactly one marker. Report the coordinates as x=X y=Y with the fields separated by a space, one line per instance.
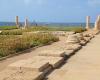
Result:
x=97 y=23
x=87 y=22
x=17 y=21
x=26 y=23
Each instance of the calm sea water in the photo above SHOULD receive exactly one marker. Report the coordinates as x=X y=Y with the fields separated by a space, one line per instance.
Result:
x=47 y=24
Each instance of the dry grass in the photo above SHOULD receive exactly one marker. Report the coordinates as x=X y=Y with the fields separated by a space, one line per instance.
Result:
x=10 y=44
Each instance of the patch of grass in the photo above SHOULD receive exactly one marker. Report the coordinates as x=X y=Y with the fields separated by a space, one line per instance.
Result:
x=12 y=32
x=41 y=28
x=7 y=27
x=74 y=29
x=10 y=44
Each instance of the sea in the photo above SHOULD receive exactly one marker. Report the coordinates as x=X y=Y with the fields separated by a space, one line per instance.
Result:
x=50 y=24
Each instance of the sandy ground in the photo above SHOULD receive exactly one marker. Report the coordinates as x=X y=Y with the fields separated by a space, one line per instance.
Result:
x=84 y=65
x=57 y=45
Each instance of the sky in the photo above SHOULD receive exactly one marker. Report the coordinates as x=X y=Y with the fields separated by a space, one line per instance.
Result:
x=49 y=10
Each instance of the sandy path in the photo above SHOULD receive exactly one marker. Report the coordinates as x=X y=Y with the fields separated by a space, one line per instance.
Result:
x=56 y=45
x=84 y=65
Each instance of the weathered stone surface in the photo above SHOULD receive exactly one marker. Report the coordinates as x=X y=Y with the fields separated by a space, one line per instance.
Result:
x=58 y=75
x=80 y=36
x=74 y=47
x=83 y=42
x=54 y=53
x=70 y=33
x=20 y=75
x=87 y=39
x=37 y=63
x=54 y=61
x=69 y=52
x=29 y=65
x=72 y=39
x=58 y=33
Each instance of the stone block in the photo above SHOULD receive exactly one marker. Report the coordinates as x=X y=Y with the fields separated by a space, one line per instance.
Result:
x=82 y=42
x=54 y=53
x=69 y=52
x=20 y=75
x=87 y=39
x=80 y=36
x=72 y=39
x=29 y=65
x=74 y=47
x=54 y=61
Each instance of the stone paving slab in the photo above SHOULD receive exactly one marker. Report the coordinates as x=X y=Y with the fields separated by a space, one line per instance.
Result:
x=54 y=61
x=82 y=42
x=54 y=53
x=30 y=65
x=20 y=75
x=75 y=75
x=74 y=47
x=69 y=52
x=84 y=65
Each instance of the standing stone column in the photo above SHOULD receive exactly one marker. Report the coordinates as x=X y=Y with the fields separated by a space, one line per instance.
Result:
x=26 y=23
x=17 y=21
x=87 y=22
x=97 y=24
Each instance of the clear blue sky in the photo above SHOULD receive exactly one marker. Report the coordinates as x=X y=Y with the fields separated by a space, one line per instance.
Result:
x=49 y=10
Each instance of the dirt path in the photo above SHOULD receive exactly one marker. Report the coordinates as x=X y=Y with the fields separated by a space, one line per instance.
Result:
x=56 y=45
x=84 y=65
